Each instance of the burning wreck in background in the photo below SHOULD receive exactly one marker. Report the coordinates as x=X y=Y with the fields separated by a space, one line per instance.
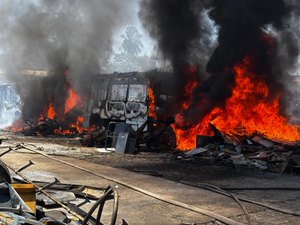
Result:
x=51 y=99
x=113 y=103
x=234 y=85
x=247 y=67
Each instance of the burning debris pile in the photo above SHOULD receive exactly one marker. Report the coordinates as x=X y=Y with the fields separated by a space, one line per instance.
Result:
x=251 y=109
x=60 y=113
x=230 y=61
x=255 y=151
x=255 y=49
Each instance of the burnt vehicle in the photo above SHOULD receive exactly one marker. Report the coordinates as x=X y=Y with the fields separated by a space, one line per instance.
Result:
x=119 y=104
x=118 y=97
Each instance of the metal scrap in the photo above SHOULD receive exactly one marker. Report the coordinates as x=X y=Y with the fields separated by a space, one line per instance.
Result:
x=255 y=152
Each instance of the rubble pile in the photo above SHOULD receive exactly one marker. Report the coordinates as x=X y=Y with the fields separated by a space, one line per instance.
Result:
x=43 y=127
x=242 y=151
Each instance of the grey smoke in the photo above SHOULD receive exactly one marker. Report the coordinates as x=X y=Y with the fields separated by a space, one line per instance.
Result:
x=56 y=35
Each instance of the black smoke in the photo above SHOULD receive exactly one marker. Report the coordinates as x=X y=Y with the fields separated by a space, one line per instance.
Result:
x=177 y=27
x=259 y=29
x=241 y=33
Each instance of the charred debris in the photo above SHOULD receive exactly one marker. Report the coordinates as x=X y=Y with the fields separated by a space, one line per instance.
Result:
x=241 y=152
x=229 y=61
x=116 y=110
x=130 y=112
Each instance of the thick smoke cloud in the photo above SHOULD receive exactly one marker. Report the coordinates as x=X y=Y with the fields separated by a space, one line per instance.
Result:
x=243 y=30
x=58 y=35
x=175 y=24
x=241 y=34
x=182 y=32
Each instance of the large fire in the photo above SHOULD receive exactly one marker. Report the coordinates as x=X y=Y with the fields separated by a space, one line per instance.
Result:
x=73 y=100
x=250 y=109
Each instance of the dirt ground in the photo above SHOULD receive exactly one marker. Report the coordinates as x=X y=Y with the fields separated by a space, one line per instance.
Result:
x=163 y=164
x=166 y=166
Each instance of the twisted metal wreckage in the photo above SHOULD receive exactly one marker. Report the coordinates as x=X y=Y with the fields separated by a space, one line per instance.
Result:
x=23 y=201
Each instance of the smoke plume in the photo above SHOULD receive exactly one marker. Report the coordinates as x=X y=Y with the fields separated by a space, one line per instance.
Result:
x=57 y=36
x=263 y=30
x=182 y=32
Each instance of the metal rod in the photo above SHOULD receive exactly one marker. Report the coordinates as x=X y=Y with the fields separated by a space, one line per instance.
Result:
x=14 y=210
x=56 y=181
x=86 y=200
x=30 y=163
x=45 y=193
x=285 y=211
x=7 y=151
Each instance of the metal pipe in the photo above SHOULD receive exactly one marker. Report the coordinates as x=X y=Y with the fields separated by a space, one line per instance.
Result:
x=45 y=193
x=56 y=181
x=30 y=163
x=5 y=152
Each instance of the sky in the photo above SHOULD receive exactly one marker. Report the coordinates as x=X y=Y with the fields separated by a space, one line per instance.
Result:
x=148 y=42
x=18 y=8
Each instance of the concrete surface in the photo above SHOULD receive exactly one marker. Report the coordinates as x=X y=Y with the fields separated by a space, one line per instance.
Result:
x=139 y=209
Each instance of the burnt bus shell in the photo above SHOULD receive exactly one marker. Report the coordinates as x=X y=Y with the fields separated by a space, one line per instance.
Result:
x=118 y=97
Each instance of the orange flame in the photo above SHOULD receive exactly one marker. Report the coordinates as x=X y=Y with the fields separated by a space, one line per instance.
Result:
x=17 y=126
x=48 y=113
x=151 y=103
x=74 y=128
x=250 y=109
x=188 y=90
x=78 y=124
x=190 y=86
x=51 y=112
x=72 y=100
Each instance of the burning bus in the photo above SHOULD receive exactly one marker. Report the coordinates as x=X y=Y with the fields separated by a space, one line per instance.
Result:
x=126 y=101
x=134 y=103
